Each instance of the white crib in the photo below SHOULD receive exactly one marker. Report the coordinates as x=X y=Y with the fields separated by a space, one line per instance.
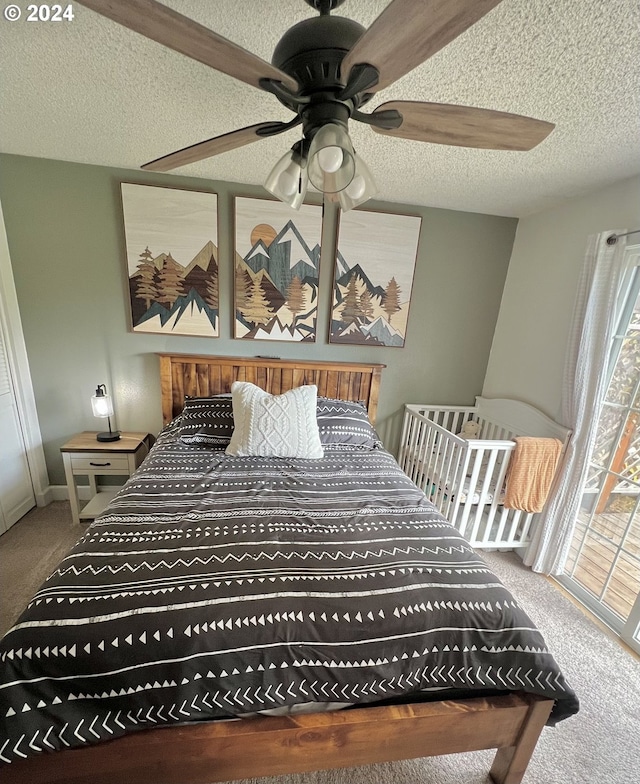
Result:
x=464 y=478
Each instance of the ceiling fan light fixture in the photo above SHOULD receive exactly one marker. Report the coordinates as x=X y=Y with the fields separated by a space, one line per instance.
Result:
x=288 y=180
x=331 y=163
x=324 y=70
x=361 y=188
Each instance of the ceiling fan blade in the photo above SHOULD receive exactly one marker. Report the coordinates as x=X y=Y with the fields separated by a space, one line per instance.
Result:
x=215 y=146
x=178 y=32
x=465 y=126
x=408 y=32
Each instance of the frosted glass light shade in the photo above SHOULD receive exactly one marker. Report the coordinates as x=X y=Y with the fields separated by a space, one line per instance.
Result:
x=288 y=180
x=101 y=403
x=361 y=188
x=331 y=164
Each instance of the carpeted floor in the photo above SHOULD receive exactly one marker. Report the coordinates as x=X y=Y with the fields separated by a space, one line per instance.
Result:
x=601 y=745
x=29 y=552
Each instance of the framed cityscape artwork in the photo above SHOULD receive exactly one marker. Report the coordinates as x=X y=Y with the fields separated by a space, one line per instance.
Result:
x=276 y=267
x=172 y=259
x=373 y=277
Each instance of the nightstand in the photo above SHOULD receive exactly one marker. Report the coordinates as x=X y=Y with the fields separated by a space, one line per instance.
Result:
x=84 y=455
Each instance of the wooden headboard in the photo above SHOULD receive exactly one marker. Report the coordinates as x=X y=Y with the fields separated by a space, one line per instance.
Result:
x=183 y=375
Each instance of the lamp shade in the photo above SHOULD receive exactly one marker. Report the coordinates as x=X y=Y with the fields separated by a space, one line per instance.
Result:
x=288 y=179
x=361 y=188
x=331 y=163
x=101 y=403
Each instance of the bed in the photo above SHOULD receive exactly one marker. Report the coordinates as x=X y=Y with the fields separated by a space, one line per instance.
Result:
x=329 y=583
x=465 y=477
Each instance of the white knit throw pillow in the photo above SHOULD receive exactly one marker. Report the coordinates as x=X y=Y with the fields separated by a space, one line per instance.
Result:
x=274 y=425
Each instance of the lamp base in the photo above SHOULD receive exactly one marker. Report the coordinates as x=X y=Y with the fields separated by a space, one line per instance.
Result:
x=111 y=435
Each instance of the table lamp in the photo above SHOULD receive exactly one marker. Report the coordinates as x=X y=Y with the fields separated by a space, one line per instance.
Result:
x=103 y=407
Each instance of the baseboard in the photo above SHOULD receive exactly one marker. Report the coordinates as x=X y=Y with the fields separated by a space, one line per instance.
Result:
x=59 y=492
x=45 y=497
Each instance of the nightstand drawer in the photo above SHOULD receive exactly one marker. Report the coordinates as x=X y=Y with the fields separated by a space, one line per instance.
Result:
x=100 y=463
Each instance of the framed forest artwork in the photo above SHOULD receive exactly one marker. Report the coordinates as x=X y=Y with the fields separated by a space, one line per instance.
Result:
x=172 y=259
x=277 y=264
x=373 y=277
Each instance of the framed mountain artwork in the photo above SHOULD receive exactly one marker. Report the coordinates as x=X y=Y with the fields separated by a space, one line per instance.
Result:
x=276 y=267
x=373 y=277
x=172 y=259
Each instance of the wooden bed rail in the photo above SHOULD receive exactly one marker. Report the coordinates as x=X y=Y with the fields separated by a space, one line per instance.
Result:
x=222 y=751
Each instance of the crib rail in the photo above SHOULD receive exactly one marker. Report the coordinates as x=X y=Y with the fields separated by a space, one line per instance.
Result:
x=464 y=478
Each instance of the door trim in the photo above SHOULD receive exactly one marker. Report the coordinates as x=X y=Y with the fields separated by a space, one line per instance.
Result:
x=11 y=326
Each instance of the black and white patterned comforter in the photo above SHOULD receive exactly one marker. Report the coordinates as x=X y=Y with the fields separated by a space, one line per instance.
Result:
x=217 y=586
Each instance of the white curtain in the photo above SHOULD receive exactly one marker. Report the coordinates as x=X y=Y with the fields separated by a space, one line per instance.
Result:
x=584 y=387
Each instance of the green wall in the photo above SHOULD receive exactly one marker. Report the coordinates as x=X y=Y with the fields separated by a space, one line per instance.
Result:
x=535 y=319
x=64 y=228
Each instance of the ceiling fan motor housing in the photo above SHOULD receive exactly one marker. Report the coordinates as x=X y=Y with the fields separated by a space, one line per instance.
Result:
x=312 y=52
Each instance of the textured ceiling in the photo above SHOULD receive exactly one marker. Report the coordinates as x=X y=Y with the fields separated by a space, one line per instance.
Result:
x=94 y=92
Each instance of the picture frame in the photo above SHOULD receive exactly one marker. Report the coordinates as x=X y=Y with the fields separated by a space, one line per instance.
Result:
x=376 y=254
x=171 y=238
x=276 y=270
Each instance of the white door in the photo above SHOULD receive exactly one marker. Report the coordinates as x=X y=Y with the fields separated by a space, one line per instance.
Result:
x=16 y=488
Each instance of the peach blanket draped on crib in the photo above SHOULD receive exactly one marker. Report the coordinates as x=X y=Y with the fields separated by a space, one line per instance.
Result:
x=530 y=473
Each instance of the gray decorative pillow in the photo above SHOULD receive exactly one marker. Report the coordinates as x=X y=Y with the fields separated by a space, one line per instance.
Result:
x=274 y=425
x=345 y=425
x=207 y=420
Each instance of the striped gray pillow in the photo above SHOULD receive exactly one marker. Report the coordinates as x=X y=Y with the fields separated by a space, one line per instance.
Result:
x=345 y=425
x=207 y=420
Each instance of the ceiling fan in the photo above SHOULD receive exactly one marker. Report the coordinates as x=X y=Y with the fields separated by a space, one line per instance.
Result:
x=325 y=69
